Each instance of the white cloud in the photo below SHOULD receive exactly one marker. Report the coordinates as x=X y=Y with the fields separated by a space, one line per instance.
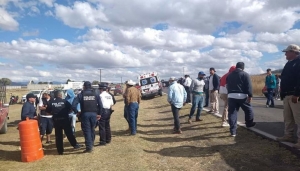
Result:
x=7 y=22
x=49 y=3
x=49 y=13
x=81 y=15
x=289 y=37
x=31 y=33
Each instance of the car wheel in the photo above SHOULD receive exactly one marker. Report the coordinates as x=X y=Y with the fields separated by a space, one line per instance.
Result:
x=3 y=130
x=160 y=93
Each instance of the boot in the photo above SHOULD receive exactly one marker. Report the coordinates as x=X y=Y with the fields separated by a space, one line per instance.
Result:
x=285 y=138
x=297 y=145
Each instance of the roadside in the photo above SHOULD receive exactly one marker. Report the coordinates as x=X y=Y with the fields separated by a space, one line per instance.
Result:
x=202 y=146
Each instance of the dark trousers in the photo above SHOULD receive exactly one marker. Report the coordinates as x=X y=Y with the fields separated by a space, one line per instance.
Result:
x=175 y=112
x=88 y=123
x=61 y=124
x=206 y=91
x=133 y=109
x=188 y=98
x=197 y=103
x=270 y=96
x=126 y=113
x=233 y=108
x=104 y=127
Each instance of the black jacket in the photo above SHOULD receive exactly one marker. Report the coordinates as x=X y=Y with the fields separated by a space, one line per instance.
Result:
x=216 y=82
x=290 y=78
x=239 y=82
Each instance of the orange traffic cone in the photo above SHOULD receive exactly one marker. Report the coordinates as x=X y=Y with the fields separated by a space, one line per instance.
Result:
x=31 y=145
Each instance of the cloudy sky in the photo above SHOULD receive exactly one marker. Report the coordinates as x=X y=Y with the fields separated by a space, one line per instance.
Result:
x=54 y=40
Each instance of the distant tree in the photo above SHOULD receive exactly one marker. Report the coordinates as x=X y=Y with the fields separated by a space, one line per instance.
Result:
x=95 y=82
x=68 y=81
x=51 y=83
x=5 y=81
x=40 y=82
x=45 y=82
x=32 y=82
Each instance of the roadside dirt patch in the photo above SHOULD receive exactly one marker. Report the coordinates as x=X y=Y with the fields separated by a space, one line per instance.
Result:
x=202 y=146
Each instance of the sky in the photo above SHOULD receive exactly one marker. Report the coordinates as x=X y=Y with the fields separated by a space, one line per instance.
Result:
x=57 y=40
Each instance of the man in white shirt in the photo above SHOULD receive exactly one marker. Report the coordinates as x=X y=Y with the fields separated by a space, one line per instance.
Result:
x=187 y=84
x=104 y=122
x=45 y=121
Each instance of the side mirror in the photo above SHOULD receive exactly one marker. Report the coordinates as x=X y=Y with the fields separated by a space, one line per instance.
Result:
x=6 y=105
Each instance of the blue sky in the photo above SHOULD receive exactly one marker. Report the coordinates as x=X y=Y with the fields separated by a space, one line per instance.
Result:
x=51 y=39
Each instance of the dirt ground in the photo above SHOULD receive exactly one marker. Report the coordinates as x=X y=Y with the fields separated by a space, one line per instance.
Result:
x=203 y=146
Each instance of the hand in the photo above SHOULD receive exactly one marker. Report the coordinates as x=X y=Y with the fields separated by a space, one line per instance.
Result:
x=35 y=117
x=98 y=117
x=295 y=99
x=249 y=99
x=184 y=104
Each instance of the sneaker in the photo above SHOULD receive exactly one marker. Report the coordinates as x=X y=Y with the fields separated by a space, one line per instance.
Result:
x=60 y=153
x=198 y=120
x=216 y=112
x=205 y=106
x=78 y=146
x=253 y=124
x=102 y=143
x=233 y=135
x=211 y=112
x=272 y=106
x=285 y=138
x=107 y=142
x=225 y=124
x=87 y=151
x=177 y=132
x=189 y=121
x=267 y=106
x=297 y=145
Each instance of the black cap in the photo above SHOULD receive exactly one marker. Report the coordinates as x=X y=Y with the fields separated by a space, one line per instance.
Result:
x=212 y=69
x=30 y=95
x=87 y=84
x=240 y=65
x=102 y=87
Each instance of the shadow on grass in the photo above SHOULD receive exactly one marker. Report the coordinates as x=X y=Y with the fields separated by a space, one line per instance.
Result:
x=246 y=151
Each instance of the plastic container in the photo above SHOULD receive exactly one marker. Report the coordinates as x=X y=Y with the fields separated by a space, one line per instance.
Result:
x=30 y=141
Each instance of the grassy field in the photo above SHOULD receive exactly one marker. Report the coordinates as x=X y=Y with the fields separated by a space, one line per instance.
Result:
x=202 y=146
x=258 y=82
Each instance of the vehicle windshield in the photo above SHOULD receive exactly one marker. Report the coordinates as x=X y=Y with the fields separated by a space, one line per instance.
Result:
x=35 y=92
x=150 y=80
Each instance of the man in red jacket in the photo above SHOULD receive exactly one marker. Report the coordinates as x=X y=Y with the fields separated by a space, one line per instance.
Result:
x=224 y=96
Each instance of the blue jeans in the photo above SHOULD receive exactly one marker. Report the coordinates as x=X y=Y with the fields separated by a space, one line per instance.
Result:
x=72 y=118
x=270 y=96
x=197 y=103
x=132 y=116
x=126 y=113
x=88 y=122
x=233 y=108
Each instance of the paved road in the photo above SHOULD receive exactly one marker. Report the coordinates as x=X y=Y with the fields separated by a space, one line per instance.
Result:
x=269 y=120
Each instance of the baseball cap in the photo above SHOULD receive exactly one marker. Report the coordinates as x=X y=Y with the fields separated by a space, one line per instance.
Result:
x=87 y=84
x=30 y=95
x=172 y=78
x=201 y=73
x=292 y=47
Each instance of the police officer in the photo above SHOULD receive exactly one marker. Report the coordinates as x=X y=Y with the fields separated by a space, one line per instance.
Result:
x=59 y=109
x=104 y=125
x=91 y=110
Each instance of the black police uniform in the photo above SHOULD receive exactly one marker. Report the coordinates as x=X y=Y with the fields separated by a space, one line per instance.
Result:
x=90 y=105
x=60 y=108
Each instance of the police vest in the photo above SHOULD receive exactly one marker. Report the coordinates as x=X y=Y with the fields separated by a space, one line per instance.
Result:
x=89 y=102
x=58 y=108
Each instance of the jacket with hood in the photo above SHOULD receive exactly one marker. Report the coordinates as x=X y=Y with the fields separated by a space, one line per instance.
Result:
x=71 y=98
x=223 y=89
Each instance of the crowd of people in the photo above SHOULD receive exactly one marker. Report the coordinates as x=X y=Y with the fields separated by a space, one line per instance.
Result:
x=235 y=89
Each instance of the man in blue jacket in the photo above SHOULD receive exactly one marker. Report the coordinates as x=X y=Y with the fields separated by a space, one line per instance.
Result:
x=270 y=83
x=239 y=89
x=214 y=85
x=28 y=110
x=176 y=98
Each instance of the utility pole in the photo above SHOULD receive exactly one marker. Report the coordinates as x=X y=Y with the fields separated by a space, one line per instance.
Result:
x=100 y=76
